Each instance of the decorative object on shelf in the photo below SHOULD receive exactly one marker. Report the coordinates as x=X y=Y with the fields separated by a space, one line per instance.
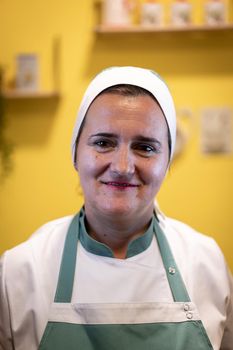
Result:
x=27 y=72
x=216 y=130
x=117 y=12
x=215 y=12
x=151 y=13
x=181 y=13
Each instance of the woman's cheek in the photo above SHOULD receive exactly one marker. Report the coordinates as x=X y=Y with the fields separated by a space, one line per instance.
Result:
x=155 y=172
x=93 y=163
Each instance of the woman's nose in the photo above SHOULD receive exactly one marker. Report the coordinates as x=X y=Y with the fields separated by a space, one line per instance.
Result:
x=122 y=162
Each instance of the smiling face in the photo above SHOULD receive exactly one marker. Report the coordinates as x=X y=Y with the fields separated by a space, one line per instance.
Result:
x=122 y=156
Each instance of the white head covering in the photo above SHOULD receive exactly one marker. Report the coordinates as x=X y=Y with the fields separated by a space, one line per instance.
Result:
x=141 y=77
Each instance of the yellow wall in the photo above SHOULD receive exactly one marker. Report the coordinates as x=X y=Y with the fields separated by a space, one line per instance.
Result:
x=43 y=184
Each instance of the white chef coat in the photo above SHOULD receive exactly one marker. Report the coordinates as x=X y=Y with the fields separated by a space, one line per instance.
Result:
x=29 y=273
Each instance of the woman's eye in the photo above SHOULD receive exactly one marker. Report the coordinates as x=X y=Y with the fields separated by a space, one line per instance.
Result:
x=103 y=145
x=145 y=149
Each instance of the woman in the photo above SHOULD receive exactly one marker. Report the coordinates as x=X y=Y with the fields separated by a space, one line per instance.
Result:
x=119 y=274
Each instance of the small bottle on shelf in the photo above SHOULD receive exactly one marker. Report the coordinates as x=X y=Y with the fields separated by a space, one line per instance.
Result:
x=151 y=13
x=215 y=12
x=181 y=13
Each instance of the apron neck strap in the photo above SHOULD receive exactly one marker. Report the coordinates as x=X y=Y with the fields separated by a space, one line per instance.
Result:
x=175 y=280
x=68 y=263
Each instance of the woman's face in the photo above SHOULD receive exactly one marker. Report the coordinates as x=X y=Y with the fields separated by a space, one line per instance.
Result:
x=122 y=155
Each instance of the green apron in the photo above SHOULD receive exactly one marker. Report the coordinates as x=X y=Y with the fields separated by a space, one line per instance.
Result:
x=167 y=334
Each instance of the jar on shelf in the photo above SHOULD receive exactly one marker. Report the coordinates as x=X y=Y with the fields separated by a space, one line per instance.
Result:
x=27 y=72
x=215 y=12
x=151 y=13
x=181 y=12
x=118 y=12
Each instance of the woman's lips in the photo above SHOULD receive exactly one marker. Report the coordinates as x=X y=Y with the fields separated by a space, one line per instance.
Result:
x=120 y=185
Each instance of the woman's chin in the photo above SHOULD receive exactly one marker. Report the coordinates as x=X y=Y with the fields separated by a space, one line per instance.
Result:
x=118 y=210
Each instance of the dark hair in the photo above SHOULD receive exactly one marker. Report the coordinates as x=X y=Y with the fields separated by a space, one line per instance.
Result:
x=127 y=90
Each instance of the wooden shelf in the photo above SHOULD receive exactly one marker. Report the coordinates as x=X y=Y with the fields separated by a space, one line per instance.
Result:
x=103 y=29
x=16 y=94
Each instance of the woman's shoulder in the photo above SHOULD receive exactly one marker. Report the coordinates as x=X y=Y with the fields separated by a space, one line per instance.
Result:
x=187 y=236
x=197 y=254
x=53 y=226
x=45 y=241
x=181 y=233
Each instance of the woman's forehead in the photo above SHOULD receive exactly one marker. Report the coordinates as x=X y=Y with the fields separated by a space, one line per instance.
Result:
x=113 y=112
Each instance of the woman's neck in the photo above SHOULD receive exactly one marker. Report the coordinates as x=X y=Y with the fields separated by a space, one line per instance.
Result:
x=116 y=232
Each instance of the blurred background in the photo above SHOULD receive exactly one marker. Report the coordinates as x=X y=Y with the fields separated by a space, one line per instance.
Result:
x=65 y=44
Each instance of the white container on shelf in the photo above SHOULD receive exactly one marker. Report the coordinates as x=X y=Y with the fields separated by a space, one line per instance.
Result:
x=151 y=14
x=117 y=12
x=27 y=72
x=181 y=13
x=215 y=12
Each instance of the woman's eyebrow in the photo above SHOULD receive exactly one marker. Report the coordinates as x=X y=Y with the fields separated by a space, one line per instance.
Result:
x=104 y=134
x=146 y=139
